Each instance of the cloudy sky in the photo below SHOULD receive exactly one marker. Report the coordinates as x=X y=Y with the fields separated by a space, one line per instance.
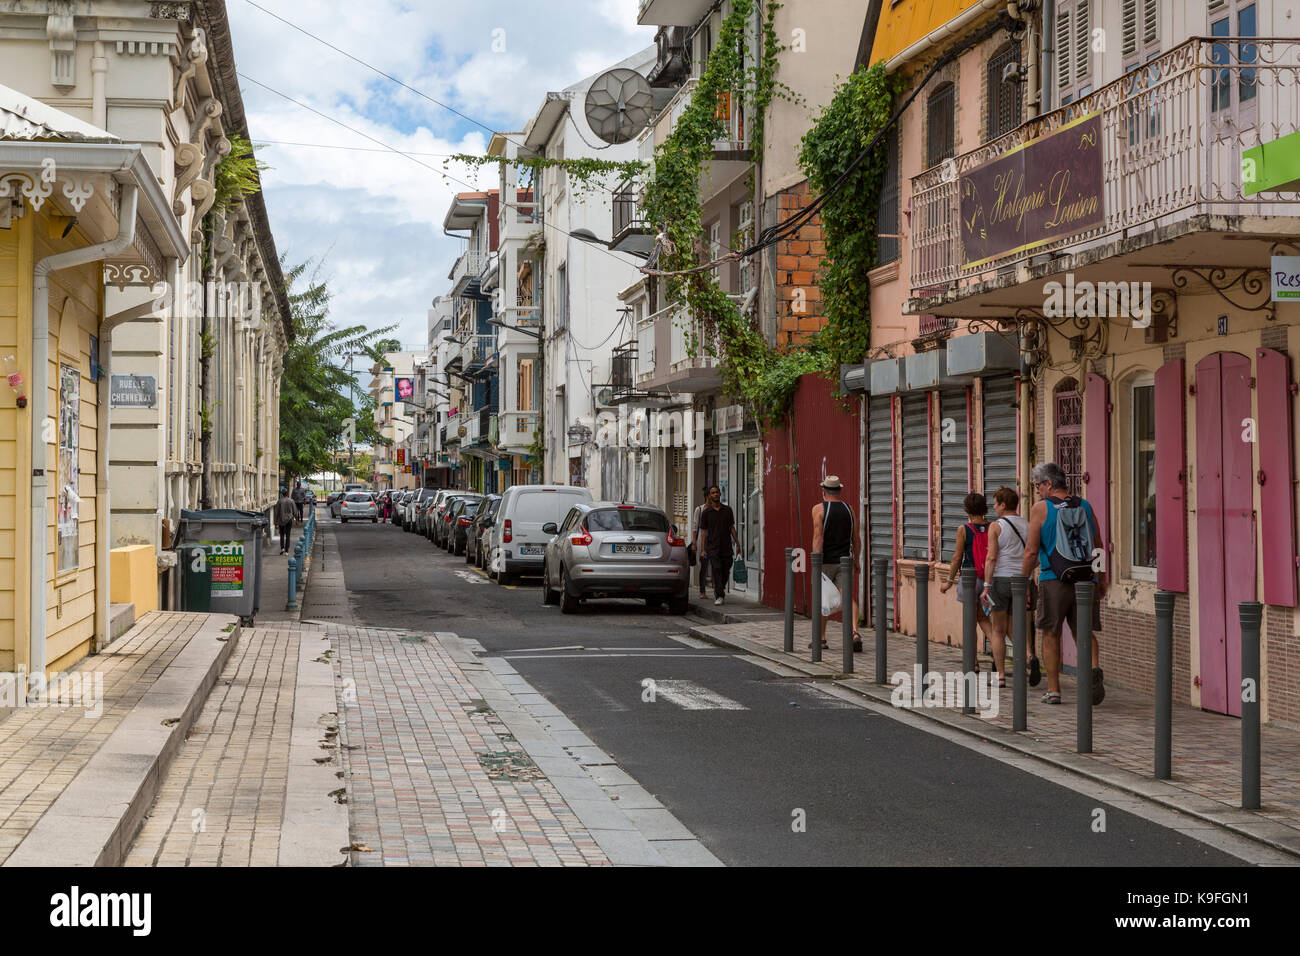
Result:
x=372 y=216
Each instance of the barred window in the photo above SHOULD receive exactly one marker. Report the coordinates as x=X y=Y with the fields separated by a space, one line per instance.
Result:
x=887 y=209
x=940 y=118
x=1005 y=95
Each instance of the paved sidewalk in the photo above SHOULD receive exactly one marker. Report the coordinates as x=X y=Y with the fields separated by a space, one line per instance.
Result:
x=1206 y=747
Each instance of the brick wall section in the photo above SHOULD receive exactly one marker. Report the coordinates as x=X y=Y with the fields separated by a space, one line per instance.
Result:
x=1283 y=674
x=1128 y=649
x=798 y=267
x=1175 y=350
x=1274 y=337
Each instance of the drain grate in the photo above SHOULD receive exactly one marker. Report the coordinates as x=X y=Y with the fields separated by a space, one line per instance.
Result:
x=413 y=639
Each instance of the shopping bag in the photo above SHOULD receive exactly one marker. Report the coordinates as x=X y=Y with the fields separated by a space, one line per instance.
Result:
x=830 y=597
x=740 y=573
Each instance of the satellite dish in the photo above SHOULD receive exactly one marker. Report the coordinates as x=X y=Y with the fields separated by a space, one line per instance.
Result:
x=619 y=105
x=605 y=396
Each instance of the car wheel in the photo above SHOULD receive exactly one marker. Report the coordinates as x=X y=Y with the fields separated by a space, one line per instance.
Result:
x=548 y=595
x=505 y=579
x=568 y=602
x=374 y=521
x=345 y=520
x=679 y=605
x=654 y=603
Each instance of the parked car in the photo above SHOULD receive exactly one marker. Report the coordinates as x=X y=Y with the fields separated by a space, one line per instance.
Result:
x=418 y=496
x=355 y=486
x=403 y=510
x=359 y=504
x=335 y=504
x=444 y=524
x=461 y=523
x=604 y=549
x=438 y=511
x=517 y=544
x=474 y=543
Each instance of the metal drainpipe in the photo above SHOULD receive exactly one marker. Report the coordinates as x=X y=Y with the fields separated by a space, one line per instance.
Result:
x=1048 y=22
x=39 y=404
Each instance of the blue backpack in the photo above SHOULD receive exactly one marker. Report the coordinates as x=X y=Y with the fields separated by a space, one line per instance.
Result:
x=1071 y=558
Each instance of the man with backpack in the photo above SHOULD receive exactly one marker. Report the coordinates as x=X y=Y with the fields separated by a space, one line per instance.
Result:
x=1063 y=537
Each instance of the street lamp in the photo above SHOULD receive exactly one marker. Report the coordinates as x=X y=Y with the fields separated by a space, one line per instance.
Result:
x=586 y=235
x=514 y=328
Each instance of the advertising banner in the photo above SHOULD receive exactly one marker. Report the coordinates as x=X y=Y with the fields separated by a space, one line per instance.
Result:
x=226 y=566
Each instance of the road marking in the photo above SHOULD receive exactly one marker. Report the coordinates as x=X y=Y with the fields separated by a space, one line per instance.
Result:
x=471 y=578
x=694 y=642
x=676 y=655
x=689 y=695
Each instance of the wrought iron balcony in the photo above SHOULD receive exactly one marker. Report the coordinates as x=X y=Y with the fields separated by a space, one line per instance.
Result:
x=516 y=431
x=1172 y=134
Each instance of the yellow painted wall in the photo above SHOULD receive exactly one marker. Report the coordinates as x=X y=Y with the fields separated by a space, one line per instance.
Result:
x=902 y=24
x=135 y=577
x=14 y=296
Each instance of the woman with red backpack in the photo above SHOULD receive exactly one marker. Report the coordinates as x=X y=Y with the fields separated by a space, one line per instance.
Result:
x=972 y=550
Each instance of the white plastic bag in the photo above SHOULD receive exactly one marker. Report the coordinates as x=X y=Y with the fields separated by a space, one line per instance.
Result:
x=830 y=597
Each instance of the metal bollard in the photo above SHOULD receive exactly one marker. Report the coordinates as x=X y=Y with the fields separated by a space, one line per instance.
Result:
x=789 y=600
x=967 y=586
x=880 y=567
x=1164 y=684
x=1083 y=597
x=846 y=611
x=1020 y=692
x=292 y=604
x=1250 y=613
x=815 y=612
x=923 y=620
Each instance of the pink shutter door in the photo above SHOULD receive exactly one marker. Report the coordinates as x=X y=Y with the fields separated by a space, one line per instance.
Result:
x=1171 y=478
x=1239 y=554
x=1276 y=492
x=1096 y=457
x=1211 y=618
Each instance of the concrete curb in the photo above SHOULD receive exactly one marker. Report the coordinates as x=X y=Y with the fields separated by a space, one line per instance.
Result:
x=94 y=820
x=1243 y=823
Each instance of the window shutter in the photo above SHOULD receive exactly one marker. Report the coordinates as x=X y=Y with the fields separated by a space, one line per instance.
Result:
x=1276 y=494
x=1130 y=27
x=1082 y=39
x=1150 y=22
x=1063 y=49
x=880 y=490
x=1096 y=456
x=1171 y=478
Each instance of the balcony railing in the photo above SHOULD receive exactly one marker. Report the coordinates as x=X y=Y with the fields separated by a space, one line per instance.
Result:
x=729 y=110
x=525 y=316
x=477 y=349
x=516 y=429
x=468 y=266
x=1173 y=132
x=627 y=208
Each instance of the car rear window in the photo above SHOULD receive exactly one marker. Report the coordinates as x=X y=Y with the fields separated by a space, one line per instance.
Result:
x=540 y=507
x=627 y=519
x=357 y=496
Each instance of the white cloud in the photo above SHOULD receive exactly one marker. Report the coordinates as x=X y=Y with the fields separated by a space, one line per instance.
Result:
x=378 y=216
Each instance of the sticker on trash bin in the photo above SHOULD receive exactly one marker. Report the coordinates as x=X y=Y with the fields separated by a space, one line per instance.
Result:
x=226 y=564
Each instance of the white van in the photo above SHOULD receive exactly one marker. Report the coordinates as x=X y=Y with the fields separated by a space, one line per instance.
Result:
x=518 y=544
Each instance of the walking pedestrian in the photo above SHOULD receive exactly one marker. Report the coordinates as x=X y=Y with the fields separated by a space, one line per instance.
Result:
x=285 y=510
x=971 y=550
x=1063 y=538
x=717 y=535
x=298 y=496
x=1007 y=537
x=833 y=537
x=695 y=541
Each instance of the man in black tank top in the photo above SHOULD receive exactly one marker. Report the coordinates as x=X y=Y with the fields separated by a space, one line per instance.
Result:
x=833 y=537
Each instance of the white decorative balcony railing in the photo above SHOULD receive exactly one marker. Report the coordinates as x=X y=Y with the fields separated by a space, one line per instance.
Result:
x=689 y=347
x=525 y=316
x=1173 y=132
x=468 y=266
x=729 y=110
x=516 y=429
x=477 y=349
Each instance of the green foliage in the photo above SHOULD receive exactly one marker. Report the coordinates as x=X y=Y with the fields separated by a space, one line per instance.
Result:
x=859 y=109
x=537 y=450
x=237 y=175
x=315 y=400
x=207 y=343
x=586 y=172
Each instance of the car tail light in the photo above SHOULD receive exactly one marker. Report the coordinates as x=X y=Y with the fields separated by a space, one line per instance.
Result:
x=583 y=539
x=506 y=536
x=676 y=542
x=464 y=522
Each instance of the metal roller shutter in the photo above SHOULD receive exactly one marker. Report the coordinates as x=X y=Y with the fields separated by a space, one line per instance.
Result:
x=916 y=477
x=999 y=435
x=954 y=465
x=880 y=491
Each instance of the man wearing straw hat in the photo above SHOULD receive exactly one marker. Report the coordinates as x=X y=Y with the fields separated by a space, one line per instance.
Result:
x=833 y=537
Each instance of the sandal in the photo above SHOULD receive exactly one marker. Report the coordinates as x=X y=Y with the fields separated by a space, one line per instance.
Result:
x=857 y=642
x=1052 y=697
x=825 y=646
x=1002 y=681
x=1035 y=674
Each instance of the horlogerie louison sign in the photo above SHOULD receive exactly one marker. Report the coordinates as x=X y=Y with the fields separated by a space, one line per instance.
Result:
x=1048 y=188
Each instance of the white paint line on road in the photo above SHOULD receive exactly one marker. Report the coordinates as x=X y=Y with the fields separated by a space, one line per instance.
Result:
x=694 y=642
x=689 y=695
x=470 y=577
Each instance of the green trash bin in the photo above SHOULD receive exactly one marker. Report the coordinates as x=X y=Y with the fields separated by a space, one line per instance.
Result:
x=221 y=561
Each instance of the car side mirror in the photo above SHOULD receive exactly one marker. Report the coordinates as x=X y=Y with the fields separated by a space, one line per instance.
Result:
x=550 y=528
x=488 y=522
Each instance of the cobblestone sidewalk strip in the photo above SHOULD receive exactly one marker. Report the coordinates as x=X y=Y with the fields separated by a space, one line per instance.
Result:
x=223 y=800
x=1206 y=747
x=42 y=749
x=434 y=775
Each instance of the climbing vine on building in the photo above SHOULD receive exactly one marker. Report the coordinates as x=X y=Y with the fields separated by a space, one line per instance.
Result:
x=585 y=173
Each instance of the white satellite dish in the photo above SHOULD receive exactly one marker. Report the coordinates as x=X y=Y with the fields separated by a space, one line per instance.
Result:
x=620 y=104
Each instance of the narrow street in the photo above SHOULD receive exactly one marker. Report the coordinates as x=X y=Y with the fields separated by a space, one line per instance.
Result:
x=763 y=769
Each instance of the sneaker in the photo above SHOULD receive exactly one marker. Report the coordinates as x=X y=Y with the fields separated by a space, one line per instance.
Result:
x=1098 y=688
x=717 y=602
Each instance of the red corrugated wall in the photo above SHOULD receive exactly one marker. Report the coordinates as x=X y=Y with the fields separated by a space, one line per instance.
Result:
x=824 y=440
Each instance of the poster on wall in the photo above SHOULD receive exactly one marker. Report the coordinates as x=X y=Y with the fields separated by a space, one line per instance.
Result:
x=226 y=565
x=68 y=510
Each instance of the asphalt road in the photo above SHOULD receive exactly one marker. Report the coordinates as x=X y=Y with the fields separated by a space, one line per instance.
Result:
x=766 y=770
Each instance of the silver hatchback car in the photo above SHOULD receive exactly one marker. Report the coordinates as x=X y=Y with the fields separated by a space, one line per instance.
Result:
x=604 y=549
x=359 y=505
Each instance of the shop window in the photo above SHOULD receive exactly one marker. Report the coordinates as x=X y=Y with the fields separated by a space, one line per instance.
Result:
x=1142 y=476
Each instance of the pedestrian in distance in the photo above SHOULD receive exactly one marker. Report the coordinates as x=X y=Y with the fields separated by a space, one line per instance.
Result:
x=833 y=538
x=1063 y=538
x=298 y=496
x=717 y=535
x=1007 y=537
x=285 y=510
x=971 y=551
x=695 y=541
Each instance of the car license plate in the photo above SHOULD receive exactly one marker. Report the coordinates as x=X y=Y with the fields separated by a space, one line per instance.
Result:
x=631 y=549
x=532 y=549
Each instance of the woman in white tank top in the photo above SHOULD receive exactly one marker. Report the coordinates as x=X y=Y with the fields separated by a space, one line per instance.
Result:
x=1007 y=537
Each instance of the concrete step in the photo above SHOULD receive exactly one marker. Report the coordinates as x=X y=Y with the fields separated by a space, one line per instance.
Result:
x=94 y=819
x=120 y=619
